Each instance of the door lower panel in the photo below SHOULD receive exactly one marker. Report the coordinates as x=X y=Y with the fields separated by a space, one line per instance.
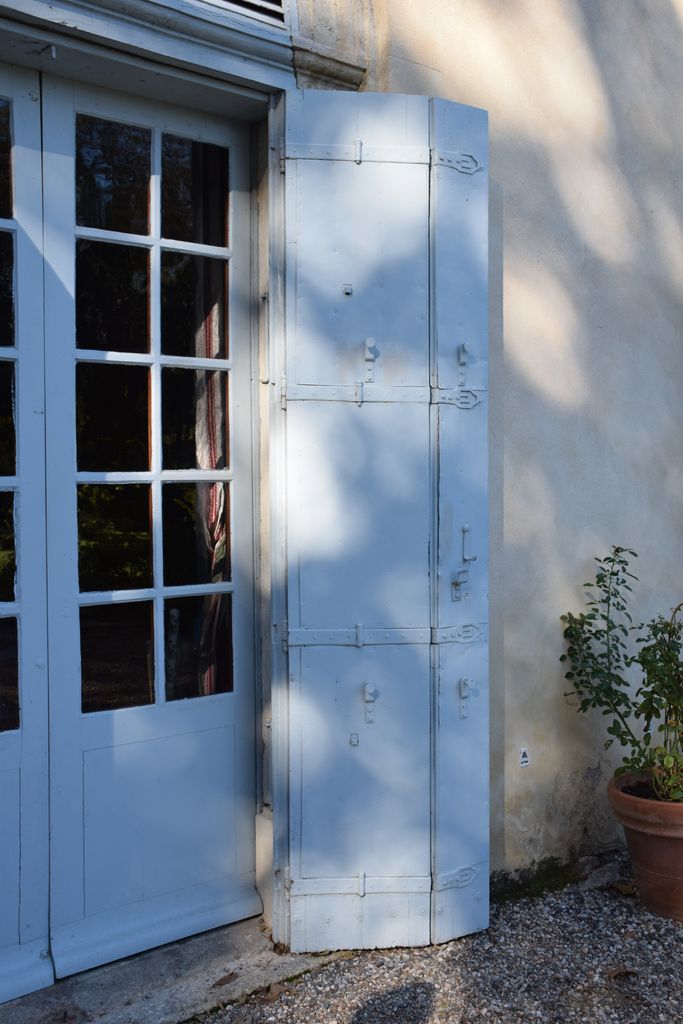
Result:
x=104 y=937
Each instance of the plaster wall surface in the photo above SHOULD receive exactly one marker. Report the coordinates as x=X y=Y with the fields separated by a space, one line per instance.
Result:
x=348 y=26
x=585 y=103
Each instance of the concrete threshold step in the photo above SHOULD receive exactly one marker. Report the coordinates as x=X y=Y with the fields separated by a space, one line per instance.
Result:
x=168 y=985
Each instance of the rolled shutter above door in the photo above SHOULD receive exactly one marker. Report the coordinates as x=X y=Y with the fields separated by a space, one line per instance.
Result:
x=366 y=442
x=270 y=8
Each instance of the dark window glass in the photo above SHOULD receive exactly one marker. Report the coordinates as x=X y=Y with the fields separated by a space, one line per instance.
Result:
x=8 y=563
x=117 y=656
x=5 y=159
x=194 y=191
x=112 y=417
x=114 y=536
x=113 y=164
x=9 y=675
x=198 y=652
x=8 y=445
x=193 y=305
x=196 y=519
x=112 y=297
x=194 y=415
x=6 y=288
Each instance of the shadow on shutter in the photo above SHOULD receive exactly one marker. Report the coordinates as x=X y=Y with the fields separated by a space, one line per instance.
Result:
x=459 y=232
x=374 y=425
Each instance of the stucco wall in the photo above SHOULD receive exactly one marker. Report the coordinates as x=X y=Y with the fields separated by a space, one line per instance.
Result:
x=586 y=357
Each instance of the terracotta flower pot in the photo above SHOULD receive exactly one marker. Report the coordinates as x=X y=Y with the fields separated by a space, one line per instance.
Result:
x=654 y=832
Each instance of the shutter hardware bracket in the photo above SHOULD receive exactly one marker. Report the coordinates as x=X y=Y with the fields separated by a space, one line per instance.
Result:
x=466 y=163
x=461 y=398
x=281 y=633
x=460 y=581
x=370 y=356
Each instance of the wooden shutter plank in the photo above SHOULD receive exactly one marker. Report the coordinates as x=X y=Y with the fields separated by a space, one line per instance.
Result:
x=459 y=232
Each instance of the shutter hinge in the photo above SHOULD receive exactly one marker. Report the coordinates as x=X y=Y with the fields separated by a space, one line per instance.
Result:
x=283 y=395
x=358 y=151
x=282 y=155
x=466 y=399
x=465 y=634
x=466 y=163
x=461 y=398
x=458 y=879
x=357 y=636
x=469 y=632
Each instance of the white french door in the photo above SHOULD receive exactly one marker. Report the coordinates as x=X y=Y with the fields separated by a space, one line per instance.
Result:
x=24 y=956
x=148 y=527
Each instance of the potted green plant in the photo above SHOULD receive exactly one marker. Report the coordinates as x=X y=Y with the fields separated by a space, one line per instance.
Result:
x=604 y=649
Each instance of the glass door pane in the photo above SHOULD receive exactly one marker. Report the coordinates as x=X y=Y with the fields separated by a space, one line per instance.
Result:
x=113 y=410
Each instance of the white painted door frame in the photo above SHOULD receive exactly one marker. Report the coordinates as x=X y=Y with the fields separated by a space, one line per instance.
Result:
x=117 y=885
x=224 y=890
x=24 y=957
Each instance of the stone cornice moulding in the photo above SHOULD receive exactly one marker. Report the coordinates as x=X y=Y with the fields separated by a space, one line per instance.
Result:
x=170 y=29
x=325 y=66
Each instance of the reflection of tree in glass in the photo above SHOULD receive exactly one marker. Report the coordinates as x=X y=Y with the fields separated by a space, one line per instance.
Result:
x=7 y=420
x=113 y=163
x=196 y=518
x=112 y=297
x=9 y=675
x=7 y=554
x=194 y=191
x=6 y=288
x=114 y=536
x=193 y=305
x=198 y=656
x=5 y=160
x=117 y=655
x=112 y=417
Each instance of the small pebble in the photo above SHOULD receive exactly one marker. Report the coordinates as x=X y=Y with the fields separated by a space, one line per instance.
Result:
x=602 y=878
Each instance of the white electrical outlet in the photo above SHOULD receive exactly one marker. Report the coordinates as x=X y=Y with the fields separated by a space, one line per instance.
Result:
x=524 y=759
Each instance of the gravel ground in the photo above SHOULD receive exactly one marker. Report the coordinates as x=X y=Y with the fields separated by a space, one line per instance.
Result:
x=579 y=956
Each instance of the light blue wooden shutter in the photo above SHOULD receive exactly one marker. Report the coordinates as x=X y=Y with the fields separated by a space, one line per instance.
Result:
x=371 y=428
x=459 y=231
